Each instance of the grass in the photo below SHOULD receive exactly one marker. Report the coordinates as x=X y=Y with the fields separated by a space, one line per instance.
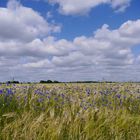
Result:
x=70 y=112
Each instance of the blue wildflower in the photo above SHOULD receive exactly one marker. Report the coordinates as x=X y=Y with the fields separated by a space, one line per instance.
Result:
x=56 y=99
x=118 y=96
x=1 y=91
x=40 y=100
x=9 y=91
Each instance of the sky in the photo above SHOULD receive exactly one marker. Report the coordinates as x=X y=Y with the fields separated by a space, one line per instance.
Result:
x=70 y=40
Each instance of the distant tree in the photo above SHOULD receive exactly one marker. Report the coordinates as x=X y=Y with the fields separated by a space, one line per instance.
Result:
x=49 y=81
x=55 y=81
x=42 y=81
x=12 y=82
x=15 y=82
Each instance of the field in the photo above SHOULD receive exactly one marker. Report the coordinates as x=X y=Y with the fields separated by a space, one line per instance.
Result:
x=102 y=111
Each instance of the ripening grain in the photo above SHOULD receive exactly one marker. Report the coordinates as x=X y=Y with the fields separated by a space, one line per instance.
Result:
x=70 y=111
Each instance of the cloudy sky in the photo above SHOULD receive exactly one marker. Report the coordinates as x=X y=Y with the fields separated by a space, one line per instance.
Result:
x=70 y=40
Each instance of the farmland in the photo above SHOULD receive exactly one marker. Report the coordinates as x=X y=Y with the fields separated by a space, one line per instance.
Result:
x=96 y=111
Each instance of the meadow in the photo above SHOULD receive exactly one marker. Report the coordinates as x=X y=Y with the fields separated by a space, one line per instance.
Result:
x=102 y=111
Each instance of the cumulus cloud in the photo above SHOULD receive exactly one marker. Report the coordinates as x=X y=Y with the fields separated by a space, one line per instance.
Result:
x=22 y=23
x=138 y=59
x=28 y=56
x=120 y=5
x=72 y=7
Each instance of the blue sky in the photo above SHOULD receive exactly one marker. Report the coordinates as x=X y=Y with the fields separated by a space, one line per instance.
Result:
x=70 y=40
x=77 y=25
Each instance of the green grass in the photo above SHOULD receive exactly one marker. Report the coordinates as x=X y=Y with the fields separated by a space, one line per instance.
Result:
x=70 y=112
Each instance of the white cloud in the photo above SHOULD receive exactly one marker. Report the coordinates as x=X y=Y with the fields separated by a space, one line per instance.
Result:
x=126 y=36
x=49 y=15
x=138 y=60
x=42 y=63
x=27 y=56
x=23 y=24
x=120 y=5
x=107 y=51
x=72 y=7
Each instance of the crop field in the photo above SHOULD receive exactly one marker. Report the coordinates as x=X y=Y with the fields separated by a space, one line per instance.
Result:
x=102 y=111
